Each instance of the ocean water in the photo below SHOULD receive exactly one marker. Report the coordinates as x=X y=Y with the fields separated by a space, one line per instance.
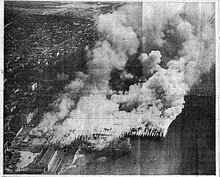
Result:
x=188 y=148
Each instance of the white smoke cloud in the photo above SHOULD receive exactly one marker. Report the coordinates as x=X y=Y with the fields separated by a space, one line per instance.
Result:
x=186 y=27
x=105 y=58
x=150 y=63
x=160 y=97
x=155 y=17
x=90 y=106
x=119 y=30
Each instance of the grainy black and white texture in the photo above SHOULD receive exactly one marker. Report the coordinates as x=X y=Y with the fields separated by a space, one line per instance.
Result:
x=109 y=88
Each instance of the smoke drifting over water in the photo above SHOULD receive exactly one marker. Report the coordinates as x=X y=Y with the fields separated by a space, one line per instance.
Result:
x=174 y=43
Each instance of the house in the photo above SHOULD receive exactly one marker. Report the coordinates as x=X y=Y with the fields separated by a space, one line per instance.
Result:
x=62 y=77
x=33 y=86
x=44 y=161
x=31 y=115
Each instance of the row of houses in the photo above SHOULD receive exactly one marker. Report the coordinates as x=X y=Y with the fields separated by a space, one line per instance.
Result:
x=40 y=85
x=48 y=160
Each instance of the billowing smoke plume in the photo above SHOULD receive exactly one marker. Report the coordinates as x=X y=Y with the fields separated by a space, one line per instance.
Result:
x=174 y=43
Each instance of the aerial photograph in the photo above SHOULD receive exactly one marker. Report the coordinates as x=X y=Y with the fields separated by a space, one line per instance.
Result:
x=109 y=88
